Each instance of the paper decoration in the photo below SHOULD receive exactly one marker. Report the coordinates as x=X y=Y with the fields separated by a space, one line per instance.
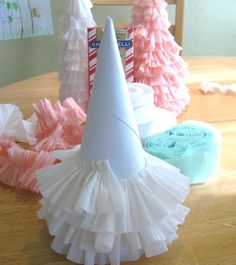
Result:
x=50 y=128
x=73 y=58
x=12 y=124
x=10 y=118
x=65 y=154
x=25 y=18
x=125 y=42
x=18 y=166
x=150 y=119
x=210 y=87
x=59 y=127
x=96 y=214
x=157 y=60
x=193 y=147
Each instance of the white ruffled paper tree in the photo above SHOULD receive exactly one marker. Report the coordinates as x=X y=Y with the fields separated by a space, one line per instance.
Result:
x=110 y=201
x=73 y=58
x=157 y=59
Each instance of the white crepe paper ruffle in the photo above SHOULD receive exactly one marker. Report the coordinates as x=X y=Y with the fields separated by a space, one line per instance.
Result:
x=12 y=124
x=96 y=218
x=65 y=154
x=211 y=87
x=73 y=72
x=150 y=119
x=140 y=95
x=10 y=118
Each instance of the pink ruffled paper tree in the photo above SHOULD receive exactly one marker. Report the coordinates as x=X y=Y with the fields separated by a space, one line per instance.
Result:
x=73 y=58
x=157 y=56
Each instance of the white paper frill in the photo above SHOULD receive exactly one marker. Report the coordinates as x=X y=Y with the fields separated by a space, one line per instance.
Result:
x=150 y=119
x=211 y=87
x=110 y=201
x=73 y=55
x=97 y=219
x=12 y=124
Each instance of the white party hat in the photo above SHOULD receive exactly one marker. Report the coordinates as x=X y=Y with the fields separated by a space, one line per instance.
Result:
x=111 y=132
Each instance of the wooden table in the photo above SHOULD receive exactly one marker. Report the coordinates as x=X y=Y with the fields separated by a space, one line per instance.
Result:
x=208 y=237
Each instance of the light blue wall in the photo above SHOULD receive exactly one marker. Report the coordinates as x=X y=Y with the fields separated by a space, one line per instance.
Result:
x=24 y=58
x=210 y=29
x=120 y=14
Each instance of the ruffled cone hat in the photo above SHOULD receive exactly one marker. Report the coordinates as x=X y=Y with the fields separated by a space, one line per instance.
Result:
x=111 y=201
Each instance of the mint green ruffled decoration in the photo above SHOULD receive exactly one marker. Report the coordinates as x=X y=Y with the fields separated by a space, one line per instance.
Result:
x=191 y=148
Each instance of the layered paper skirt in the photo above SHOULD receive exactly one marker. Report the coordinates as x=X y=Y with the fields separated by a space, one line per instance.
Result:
x=97 y=219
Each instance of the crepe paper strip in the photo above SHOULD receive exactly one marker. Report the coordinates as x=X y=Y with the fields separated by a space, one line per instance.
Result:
x=10 y=118
x=69 y=103
x=210 y=87
x=157 y=60
x=140 y=95
x=150 y=119
x=59 y=126
x=25 y=133
x=5 y=144
x=47 y=118
x=192 y=147
x=18 y=166
x=13 y=125
x=62 y=155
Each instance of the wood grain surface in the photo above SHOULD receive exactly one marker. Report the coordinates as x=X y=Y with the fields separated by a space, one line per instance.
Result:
x=208 y=237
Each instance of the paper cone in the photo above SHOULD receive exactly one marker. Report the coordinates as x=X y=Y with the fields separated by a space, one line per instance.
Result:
x=111 y=132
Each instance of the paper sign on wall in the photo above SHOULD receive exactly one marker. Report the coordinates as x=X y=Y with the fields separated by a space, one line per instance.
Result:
x=25 y=18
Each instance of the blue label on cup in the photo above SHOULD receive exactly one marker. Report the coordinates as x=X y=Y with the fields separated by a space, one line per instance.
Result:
x=121 y=44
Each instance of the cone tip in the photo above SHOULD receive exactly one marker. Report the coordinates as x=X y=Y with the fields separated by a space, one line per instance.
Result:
x=109 y=21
